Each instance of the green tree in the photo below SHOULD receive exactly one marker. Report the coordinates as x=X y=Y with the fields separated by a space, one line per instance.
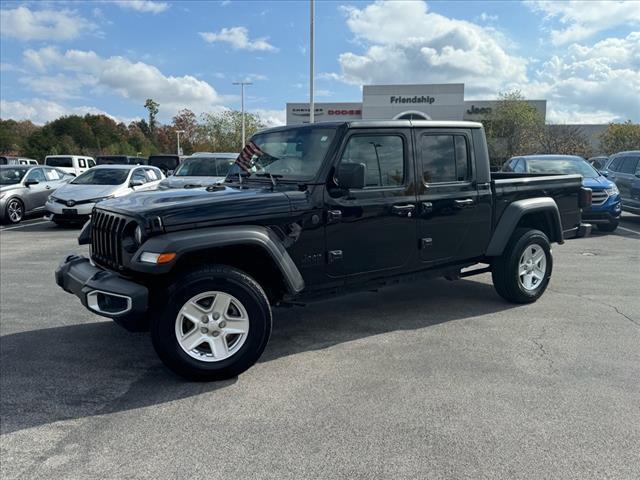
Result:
x=620 y=137
x=564 y=140
x=513 y=127
x=13 y=135
x=152 y=107
x=223 y=130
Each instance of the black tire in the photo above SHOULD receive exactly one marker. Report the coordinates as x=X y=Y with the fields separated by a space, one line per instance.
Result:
x=608 y=227
x=219 y=278
x=11 y=204
x=505 y=269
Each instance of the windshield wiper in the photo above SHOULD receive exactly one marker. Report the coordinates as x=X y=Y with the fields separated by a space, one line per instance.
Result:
x=271 y=177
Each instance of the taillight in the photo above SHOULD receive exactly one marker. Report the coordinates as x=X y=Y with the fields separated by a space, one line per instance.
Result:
x=586 y=196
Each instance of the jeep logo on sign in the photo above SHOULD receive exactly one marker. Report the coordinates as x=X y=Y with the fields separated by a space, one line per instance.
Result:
x=478 y=111
x=414 y=99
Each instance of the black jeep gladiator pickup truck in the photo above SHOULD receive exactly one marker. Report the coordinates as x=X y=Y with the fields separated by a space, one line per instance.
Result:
x=309 y=211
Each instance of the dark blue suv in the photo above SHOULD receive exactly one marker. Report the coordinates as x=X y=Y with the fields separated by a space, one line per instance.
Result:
x=606 y=206
x=624 y=169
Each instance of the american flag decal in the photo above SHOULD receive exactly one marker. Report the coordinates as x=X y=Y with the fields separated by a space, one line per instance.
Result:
x=247 y=153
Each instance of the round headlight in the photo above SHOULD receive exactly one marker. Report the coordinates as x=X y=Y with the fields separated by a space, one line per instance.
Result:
x=138 y=235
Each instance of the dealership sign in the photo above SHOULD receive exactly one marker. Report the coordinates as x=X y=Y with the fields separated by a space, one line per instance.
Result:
x=478 y=110
x=415 y=99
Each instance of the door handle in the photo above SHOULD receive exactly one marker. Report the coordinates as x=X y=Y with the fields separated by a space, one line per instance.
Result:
x=467 y=202
x=334 y=215
x=403 y=210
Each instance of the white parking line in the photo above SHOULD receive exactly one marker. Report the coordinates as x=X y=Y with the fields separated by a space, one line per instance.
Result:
x=628 y=230
x=22 y=225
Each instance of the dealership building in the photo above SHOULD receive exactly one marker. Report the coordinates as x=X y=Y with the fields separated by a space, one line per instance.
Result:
x=413 y=102
x=408 y=102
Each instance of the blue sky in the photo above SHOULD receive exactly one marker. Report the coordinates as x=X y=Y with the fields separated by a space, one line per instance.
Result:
x=108 y=56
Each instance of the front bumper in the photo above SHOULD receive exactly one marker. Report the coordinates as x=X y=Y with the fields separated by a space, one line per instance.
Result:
x=104 y=293
x=62 y=211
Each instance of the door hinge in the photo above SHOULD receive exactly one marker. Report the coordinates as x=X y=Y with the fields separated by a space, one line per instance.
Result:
x=426 y=242
x=334 y=256
x=333 y=215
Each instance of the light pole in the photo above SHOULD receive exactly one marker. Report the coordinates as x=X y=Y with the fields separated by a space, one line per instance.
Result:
x=178 y=132
x=312 y=105
x=242 y=85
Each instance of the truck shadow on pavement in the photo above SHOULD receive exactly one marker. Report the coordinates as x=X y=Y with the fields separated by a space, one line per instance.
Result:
x=97 y=368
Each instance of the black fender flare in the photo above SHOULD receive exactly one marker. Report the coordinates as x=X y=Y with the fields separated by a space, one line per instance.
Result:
x=189 y=241
x=512 y=216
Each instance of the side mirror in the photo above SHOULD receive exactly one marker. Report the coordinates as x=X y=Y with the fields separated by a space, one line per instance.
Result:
x=350 y=175
x=28 y=183
x=604 y=173
x=136 y=183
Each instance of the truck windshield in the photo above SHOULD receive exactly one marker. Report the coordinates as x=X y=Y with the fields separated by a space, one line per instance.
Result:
x=563 y=166
x=204 y=167
x=102 y=176
x=295 y=154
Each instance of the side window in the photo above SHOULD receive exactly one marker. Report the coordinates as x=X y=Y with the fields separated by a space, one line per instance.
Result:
x=82 y=163
x=138 y=174
x=91 y=163
x=615 y=164
x=445 y=158
x=628 y=165
x=519 y=166
x=51 y=174
x=152 y=175
x=382 y=156
x=36 y=175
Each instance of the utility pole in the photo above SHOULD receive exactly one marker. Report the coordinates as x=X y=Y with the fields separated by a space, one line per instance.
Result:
x=312 y=105
x=178 y=132
x=242 y=85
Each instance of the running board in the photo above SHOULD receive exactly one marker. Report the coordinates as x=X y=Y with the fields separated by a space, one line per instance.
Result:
x=470 y=273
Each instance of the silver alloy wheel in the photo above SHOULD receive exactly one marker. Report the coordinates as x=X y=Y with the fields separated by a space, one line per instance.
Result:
x=212 y=326
x=532 y=267
x=14 y=211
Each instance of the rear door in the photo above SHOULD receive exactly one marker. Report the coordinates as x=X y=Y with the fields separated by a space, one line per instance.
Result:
x=373 y=229
x=452 y=223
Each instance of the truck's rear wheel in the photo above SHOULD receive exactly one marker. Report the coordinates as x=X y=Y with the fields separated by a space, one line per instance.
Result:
x=522 y=273
x=215 y=324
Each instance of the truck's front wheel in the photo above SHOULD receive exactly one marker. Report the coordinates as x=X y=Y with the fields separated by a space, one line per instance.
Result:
x=522 y=273
x=215 y=324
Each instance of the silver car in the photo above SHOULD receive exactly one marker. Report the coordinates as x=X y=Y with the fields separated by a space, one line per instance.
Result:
x=74 y=202
x=200 y=170
x=24 y=189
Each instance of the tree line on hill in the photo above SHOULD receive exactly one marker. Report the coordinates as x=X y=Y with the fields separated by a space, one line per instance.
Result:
x=513 y=127
x=101 y=135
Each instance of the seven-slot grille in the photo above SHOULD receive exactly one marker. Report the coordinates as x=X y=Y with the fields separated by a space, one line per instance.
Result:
x=598 y=197
x=106 y=238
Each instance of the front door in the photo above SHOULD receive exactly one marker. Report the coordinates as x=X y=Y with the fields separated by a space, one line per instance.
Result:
x=453 y=219
x=373 y=229
x=38 y=193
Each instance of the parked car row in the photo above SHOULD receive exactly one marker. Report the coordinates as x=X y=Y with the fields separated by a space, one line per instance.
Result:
x=615 y=187
x=67 y=187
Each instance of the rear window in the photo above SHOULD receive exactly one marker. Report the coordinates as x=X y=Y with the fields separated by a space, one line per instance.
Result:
x=59 y=162
x=164 y=162
x=112 y=160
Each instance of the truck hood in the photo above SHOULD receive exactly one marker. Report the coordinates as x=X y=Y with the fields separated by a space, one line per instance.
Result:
x=597 y=183
x=181 y=182
x=199 y=206
x=71 y=191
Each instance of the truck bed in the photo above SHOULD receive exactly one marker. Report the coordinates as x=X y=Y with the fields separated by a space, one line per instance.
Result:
x=508 y=187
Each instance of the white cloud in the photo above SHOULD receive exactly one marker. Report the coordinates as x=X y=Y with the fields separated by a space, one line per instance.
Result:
x=238 y=38
x=144 y=6
x=41 y=111
x=596 y=83
x=272 y=118
x=407 y=44
x=136 y=81
x=581 y=19
x=50 y=25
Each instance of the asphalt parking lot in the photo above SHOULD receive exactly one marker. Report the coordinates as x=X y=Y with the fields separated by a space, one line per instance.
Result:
x=427 y=380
